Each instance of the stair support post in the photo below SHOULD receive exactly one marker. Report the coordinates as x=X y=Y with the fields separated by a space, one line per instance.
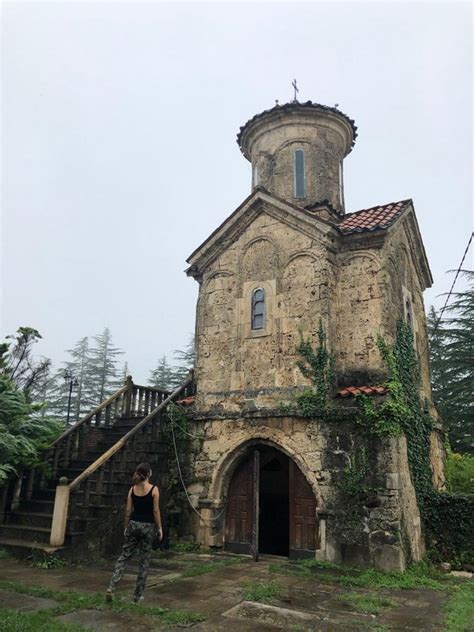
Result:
x=17 y=493
x=60 y=512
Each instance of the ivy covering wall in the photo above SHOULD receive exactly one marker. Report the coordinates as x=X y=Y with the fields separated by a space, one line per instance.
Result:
x=447 y=518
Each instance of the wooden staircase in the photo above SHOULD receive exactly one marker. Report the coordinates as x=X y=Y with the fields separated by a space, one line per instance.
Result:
x=86 y=473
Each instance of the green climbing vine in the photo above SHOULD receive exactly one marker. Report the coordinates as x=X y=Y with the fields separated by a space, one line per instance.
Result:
x=447 y=518
x=177 y=435
x=317 y=365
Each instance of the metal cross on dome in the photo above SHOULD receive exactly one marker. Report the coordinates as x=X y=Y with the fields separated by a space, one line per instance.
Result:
x=296 y=88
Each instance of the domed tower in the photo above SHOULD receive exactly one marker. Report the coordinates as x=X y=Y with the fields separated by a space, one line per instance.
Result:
x=297 y=152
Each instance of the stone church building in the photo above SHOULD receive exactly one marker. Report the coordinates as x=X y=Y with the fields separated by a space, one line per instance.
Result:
x=287 y=259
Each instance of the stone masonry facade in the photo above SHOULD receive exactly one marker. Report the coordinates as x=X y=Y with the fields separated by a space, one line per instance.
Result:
x=357 y=283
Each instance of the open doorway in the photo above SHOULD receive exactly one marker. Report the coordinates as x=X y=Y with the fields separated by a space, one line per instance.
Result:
x=274 y=533
x=271 y=508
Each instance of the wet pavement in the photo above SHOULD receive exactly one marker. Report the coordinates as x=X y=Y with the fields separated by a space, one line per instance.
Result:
x=304 y=604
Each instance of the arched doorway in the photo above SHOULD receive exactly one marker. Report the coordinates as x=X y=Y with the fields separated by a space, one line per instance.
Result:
x=271 y=507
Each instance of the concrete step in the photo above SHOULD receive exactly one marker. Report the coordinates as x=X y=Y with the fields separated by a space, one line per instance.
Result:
x=40 y=505
x=32 y=534
x=24 y=548
x=30 y=519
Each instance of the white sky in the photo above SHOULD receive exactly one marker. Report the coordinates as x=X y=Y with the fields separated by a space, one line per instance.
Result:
x=119 y=153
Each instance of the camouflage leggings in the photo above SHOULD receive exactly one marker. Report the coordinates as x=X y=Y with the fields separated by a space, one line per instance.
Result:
x=138 y=539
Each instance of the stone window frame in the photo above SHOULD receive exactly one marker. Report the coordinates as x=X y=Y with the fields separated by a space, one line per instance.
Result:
x=295 y=184
x=409 y=314
x=254 y=303
x=245 y=311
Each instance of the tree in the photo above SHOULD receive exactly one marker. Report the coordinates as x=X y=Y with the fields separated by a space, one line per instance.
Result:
x=103 y=371
x=163 y=375
x=25 y=371
x=184 y=362
x=23 y=433
x=452 y=366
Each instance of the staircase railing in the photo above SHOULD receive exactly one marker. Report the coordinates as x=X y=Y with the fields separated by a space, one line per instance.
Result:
x=130 y=401
x=122 y=456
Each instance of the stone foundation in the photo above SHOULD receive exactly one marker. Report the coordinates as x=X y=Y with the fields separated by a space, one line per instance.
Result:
x=381 y=530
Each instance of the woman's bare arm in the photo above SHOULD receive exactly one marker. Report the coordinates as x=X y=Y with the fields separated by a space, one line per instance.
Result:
x=128 y=508
x=156 y=512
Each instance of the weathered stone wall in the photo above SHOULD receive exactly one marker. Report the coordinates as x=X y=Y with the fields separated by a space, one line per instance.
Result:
x=323 y=452
x=324 y=136
x=235 y=362
x=360 y=315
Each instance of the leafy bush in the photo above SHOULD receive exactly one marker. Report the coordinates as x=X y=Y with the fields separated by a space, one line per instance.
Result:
x=22 y=435
x=460 y=473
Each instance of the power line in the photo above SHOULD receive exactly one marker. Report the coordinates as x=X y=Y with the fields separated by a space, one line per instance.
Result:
x=450 y=291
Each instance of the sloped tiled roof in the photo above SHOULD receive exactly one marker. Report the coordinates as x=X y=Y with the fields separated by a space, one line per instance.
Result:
x=352 y=391
x=371 y=219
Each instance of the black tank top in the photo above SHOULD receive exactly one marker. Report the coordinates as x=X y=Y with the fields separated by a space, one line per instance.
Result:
x=142 y=507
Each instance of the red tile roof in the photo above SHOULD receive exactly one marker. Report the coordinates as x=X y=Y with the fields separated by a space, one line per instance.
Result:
x=375 y=218
x=352 y=391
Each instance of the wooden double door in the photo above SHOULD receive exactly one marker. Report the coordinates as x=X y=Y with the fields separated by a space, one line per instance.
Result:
x=271 y=507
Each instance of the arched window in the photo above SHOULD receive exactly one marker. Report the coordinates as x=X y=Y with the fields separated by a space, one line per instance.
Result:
x=298 y=172
x=254 y=176
x=258 y=309
x=408 y=314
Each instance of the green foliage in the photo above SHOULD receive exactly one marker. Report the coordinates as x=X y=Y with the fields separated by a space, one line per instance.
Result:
x=371 y=604
x=262 y=591
x=316 y=365
x=14 y=621
x=452 y=369
x=178 y=430
x=460 y=473
x=417 y=576
x=449 y=527
x=355 y=477
x=163 y=375
x=22 y=434
x=459 y=609
x=168 y=376
x=46 y=561
x=75 y=600
x=201 y=568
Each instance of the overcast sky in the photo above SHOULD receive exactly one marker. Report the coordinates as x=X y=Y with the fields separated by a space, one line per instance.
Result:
x=119 y=152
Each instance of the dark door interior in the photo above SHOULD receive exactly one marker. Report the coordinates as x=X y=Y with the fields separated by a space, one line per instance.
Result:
x=274 y=502
x=279 y=494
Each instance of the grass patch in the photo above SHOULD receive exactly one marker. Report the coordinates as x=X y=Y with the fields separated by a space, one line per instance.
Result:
x=261 y=591
x=185 y=547
x=39 y=559
x=420 y=575
x=308 y=571
x=14 y=621
x=370 y=604
x=73 y=601
x=201 y=568
x=459 y=608
x=5 y=555
x=417 y=576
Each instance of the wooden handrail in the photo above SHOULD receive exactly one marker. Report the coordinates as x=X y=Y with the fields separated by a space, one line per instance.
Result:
x=90 y=415
x=123 y=440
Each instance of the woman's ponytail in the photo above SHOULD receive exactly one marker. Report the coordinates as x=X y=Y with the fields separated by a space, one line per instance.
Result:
x=142 y=472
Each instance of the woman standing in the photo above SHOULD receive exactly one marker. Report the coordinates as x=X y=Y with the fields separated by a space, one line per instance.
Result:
x=142 y=517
